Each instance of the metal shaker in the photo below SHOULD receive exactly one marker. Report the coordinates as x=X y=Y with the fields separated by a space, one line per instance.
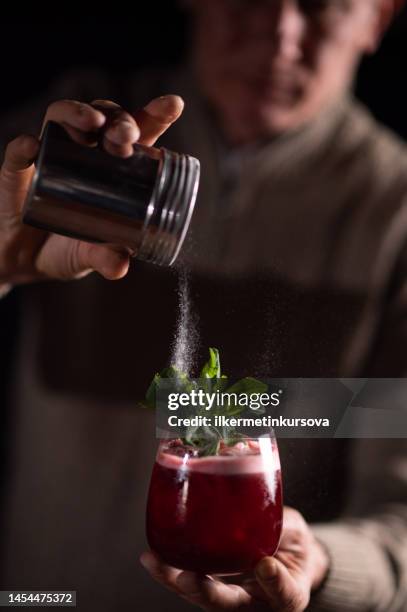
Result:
x=143 y=203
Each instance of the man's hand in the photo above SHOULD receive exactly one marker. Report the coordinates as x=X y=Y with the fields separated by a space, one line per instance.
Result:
x=282 y=583
x=28 y=254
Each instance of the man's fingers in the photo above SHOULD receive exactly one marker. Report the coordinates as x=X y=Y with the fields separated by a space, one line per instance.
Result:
x=75 y=114
x=16 y=173
x=201 y=591
x=105 y=122
x=162 y=573
x=155 y=118
x=20 y=153
x=283 y=591
x=213 y=595
x=65 y=258
x=120 y=131
x=109 y=262
x=101 y=122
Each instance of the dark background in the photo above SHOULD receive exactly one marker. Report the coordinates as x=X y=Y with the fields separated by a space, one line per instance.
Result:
x=35 y=51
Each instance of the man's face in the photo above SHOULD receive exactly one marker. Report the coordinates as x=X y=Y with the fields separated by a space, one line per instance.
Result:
x=268 y=66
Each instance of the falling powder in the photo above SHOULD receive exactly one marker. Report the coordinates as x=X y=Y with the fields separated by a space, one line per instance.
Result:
x=186 y=334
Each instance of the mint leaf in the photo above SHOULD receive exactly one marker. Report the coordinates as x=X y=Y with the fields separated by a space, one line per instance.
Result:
x=172 y=372
x=206 y=440
x=150 y=395
x=182 y=383
x=212 y=448
x=211 y=368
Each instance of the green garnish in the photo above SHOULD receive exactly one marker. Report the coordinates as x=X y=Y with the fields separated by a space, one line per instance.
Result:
x=205 y=440
x=211 y=368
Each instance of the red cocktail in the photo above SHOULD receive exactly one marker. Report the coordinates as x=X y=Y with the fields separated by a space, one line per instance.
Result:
x=219 y=514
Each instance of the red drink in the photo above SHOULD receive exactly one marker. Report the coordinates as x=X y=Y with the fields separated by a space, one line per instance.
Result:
x=219 y=514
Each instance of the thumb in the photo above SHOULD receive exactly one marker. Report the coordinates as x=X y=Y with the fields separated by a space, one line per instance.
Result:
x=65 y=258
x=282 y=590
x=16 y=172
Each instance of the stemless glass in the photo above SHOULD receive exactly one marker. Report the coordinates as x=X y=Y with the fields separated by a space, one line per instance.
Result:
x=217 y=514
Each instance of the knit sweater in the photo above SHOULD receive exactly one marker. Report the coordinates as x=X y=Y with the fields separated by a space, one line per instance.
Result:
x=296 y=253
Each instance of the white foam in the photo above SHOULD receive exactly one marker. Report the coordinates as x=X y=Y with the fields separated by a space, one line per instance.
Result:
x=221 y=464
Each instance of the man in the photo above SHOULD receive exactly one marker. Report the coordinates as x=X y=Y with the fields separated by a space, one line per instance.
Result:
x=297 y=266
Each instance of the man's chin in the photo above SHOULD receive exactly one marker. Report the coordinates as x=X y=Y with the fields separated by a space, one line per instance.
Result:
x=253 y=121
x=276 y=120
